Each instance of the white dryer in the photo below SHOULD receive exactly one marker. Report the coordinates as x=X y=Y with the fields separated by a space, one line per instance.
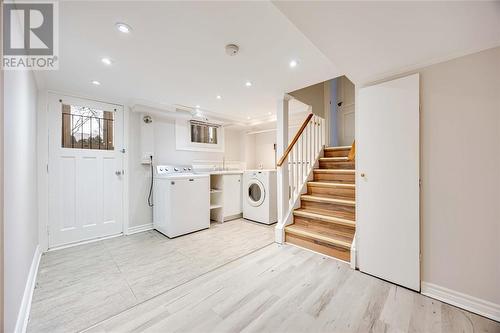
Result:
x=260 y=196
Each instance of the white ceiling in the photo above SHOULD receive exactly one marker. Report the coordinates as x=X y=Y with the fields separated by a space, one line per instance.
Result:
x=175 y=55
x=372 y=40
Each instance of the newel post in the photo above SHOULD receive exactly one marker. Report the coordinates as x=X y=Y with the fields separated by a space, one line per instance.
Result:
x=282 y=172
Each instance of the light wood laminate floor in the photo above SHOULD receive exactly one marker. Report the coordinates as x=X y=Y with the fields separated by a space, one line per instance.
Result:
x=272 y=288
x=288 y=289
x=83 y=285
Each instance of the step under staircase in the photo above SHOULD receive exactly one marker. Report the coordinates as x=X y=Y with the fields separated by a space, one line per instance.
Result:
x=325 y=221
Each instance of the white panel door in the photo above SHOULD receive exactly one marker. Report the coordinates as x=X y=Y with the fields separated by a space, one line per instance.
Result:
x=85 y=170
x=387 y=190
x=345 y=125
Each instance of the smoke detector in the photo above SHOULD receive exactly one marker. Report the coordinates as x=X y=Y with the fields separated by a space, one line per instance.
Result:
x=232 y=49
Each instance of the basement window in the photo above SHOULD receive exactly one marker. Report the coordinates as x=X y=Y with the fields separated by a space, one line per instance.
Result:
x=87 y=128
x=202 y=132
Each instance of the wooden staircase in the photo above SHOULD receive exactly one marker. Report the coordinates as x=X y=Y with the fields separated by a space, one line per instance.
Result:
x=325 y=221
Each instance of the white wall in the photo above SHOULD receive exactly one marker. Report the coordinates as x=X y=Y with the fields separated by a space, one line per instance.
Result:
x=21 y=227
x=165 y=153
x=264 y=150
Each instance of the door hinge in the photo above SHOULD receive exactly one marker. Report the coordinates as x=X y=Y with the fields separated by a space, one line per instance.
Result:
x=123 y=151
x=420 y=182
x=47 y=167
x=48 y=230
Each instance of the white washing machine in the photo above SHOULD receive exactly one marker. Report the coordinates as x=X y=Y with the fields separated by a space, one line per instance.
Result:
x=181 y=200
x=260 y=196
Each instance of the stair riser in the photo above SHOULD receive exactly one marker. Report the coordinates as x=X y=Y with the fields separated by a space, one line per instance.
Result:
x=316 y=225
x=336 y=165
x=336 y=153
x=333 y=251
x=337 y=177
x=334 y=192
x=342 y=211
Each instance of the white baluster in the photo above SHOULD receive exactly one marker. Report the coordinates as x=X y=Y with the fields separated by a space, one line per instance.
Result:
x=301 y=150
x=311 y=143
x=292 y=175
x=296 y=152
x=315 y=137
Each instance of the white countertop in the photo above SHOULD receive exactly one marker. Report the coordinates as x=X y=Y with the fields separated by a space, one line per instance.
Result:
x=225 y=172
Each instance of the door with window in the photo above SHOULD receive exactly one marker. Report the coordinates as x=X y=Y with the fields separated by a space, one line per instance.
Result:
x=85 y=170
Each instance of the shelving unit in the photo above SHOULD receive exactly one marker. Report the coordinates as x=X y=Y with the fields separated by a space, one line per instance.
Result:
x=225 y=197
x=216 y=199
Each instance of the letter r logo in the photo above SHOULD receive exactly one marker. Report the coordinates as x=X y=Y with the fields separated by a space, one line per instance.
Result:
x=28 y=29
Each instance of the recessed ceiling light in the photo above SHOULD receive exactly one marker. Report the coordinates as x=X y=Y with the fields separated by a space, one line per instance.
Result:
x=107 y=61
x=123 y=27
x=249 y=118
x=218 y=97
x=197 y=106
x=293 y=63
x=248 y=84
x=96 y=83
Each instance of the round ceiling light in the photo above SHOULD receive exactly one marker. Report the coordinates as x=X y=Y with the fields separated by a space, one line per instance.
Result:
x=293 y=64
x=248 y=84
x=218 y=97
x=96 y=83
x=107 y=61
x=123 y=27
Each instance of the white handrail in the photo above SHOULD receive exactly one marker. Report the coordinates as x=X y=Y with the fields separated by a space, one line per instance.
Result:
x=298 y=167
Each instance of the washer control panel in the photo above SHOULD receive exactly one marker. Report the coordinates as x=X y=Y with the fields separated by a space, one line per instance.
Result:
x=173 y=169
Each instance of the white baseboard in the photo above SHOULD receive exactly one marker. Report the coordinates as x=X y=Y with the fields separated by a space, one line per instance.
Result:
x=24 y=310
x=139 y=228
x=461 y=300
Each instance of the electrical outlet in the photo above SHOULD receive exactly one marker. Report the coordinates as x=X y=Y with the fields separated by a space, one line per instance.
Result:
x=146 y=157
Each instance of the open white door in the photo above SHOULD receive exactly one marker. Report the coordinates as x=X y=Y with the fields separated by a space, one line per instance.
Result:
x=387 y=193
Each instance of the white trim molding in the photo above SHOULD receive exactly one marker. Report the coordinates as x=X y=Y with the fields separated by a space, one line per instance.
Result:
x=24 y=310
x=470 y=303
x=139 y=228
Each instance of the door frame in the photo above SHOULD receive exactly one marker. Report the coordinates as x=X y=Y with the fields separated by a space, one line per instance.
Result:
x=43 y=166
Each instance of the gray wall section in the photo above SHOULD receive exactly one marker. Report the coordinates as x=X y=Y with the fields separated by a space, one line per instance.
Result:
x=460 y=160
x=334 y=136
x=20 y=218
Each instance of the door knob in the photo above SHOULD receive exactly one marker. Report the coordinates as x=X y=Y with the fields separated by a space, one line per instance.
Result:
x=362 y=175
x=118 y=172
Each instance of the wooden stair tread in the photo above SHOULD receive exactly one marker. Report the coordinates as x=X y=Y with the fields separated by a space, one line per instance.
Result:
x=304 y=232
x=324 y=218
x=338 y=148
x=346 y=171
x=330 y=184
x=317 y=198
x=335 y=159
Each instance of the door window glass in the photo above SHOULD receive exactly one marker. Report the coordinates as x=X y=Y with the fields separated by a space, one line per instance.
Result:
x=87 y=128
